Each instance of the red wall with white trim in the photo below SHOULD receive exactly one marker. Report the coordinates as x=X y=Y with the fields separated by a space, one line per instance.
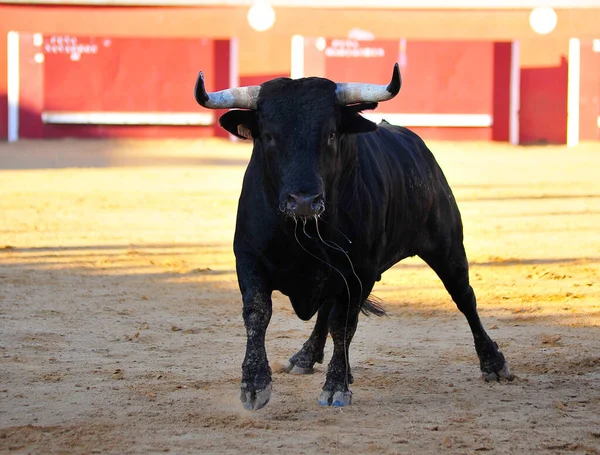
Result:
x=81 y=74
x=123 y=74
x=268 y=53
x=438 y=77
x=543 y=113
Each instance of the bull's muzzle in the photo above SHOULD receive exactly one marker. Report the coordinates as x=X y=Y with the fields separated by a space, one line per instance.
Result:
x=304 y=206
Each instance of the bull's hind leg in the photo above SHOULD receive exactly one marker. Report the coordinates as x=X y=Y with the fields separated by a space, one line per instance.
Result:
x=453 y=269
x=303 y=361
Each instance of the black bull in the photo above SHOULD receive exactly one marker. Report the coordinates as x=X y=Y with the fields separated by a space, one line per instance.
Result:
x=329 y=202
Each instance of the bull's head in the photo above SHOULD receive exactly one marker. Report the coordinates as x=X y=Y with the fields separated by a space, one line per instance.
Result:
x=298 y=128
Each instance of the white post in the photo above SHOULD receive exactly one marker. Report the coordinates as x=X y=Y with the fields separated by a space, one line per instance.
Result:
x=234 y=71
x=574 y=79
x=13 y=86
x=515 y=93
x=297 y=57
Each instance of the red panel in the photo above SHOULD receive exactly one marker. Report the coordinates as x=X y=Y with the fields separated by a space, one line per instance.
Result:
x=437 y=77
x=124 y=74
x=31 y=83
x=502 y=64
x=448 y=77
x=543 y=113
x=589 y=99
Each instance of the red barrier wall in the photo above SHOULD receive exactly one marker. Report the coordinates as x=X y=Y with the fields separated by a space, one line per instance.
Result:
x=126 y=75
x=501 y=91
x=458 y=74
x=123 y=74
x=543 y=114
x=269 y=52
x=438 y=77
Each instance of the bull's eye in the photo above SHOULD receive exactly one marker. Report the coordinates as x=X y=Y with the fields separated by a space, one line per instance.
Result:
x=268 y=137
x=331 y=137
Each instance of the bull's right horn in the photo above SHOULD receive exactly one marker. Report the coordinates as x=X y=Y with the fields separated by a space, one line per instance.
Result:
x=356 y=92
x=240 y=97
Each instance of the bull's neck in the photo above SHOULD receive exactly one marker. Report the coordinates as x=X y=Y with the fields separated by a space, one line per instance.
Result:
x=349 y=165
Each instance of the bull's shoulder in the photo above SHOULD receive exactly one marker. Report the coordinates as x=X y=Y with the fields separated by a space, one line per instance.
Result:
x=396 y=143
x=397 y=160
x=400 y=133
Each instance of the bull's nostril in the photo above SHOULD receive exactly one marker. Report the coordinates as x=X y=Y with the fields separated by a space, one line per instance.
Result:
x=291 y=202
x=304 y=206
x=318 y=204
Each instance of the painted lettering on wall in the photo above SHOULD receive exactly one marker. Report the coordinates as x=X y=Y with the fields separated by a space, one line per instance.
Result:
x=352 y=48
x=72 y=46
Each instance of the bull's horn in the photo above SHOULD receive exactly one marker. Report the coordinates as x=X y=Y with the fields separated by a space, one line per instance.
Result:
x=356 y=92
x=241 y=97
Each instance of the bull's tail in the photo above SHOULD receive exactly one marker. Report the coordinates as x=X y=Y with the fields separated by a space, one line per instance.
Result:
x=373 y=306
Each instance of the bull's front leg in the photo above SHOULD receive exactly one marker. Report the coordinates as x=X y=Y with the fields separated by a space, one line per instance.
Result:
x=256 y=373
x=342 y=326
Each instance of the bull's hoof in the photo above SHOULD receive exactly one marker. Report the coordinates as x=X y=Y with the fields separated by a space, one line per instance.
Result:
x=341 y=399
x=255 y=400
x=492 y=363
x=303 y=361
x=336 y=399
x=496 y=376
x=290 y=368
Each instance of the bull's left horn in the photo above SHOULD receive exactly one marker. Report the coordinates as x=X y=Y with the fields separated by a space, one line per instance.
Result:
x=356 y=92
x=240 y=97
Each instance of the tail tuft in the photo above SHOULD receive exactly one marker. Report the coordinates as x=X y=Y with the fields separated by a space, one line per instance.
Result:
x=373 y=305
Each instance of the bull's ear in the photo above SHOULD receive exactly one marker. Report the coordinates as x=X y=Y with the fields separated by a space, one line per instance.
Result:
x=353 y=122
x=240 y=123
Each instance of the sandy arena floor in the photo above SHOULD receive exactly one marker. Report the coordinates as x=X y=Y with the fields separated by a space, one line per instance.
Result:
x=121 y=328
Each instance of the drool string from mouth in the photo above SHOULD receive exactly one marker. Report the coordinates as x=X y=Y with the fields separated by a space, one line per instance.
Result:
x=335 y=247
